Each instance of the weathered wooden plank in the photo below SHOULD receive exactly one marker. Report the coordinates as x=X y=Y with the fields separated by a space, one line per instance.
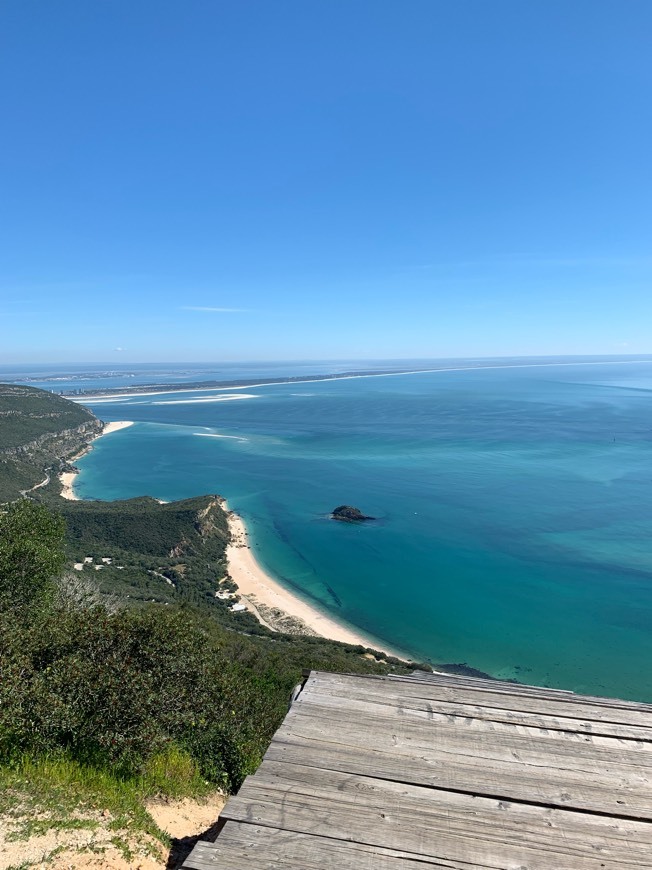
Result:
x=462 y=680
x=347 y=720
x=241 y=846
x=518 y=689
x=495 y=686
x=428 y=729
x=502 y=781
x=304 y=779
x=194 y=863
x=454 y=772
x=437 y=824
x=442 y=804
x=403 y=706
x=247 y=834
x=484 y=719
x=397 y=691
x=199 y=860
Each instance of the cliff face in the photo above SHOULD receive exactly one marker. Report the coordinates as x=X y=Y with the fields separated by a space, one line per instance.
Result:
x=61 y=445
x=39 y=433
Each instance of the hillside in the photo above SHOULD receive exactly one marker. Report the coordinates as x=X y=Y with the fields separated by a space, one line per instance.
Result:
x=162 y=691
x=141 y=551
x=165 y=553
x=39 y=433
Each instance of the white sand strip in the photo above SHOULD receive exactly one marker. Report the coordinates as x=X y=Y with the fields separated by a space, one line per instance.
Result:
x=110 y=397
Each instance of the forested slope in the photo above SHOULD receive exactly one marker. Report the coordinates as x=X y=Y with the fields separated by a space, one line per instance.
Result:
x=39 y=433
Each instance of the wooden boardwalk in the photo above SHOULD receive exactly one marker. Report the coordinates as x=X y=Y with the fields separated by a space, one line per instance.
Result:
x=430 y=771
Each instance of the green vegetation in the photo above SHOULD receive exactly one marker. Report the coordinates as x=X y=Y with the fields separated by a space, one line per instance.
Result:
x=39 y=432
x=142 y=552
x=122 y=675
x=123 y=690
x=30 y=555
x=118 y=690
x=28 y=414
x=49 y=793
x=153 y=552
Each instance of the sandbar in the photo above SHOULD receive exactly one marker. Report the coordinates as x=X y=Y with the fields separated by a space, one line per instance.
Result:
x=112 y=397
x=67 y=478
x=253 y=581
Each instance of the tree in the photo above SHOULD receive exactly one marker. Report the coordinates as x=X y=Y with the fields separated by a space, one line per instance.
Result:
x=31 y=554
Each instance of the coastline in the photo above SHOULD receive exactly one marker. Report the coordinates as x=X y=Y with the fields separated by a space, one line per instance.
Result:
x=271 y=603
x=262 y=592
x=67 y=478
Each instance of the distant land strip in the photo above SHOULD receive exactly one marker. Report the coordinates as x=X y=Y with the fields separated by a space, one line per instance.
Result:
x=241 y=383
x=233 y=384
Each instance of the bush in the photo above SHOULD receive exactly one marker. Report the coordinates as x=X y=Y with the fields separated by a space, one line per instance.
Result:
x=158 y=694
x=118 y=689
x=31 y=554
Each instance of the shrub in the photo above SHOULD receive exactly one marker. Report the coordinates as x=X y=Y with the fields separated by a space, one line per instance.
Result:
x=118 y=689
x=31 y=554
x=159 y=694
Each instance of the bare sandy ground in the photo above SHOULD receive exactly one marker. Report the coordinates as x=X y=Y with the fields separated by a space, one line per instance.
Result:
x=67 y=478
x=252 y=580
x=67 y=848
x=186 y=817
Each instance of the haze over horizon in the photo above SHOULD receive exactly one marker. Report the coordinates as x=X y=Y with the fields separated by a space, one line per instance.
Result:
x=360 y=180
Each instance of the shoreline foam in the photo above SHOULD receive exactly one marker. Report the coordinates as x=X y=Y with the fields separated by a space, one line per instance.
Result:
x=255 y=583
x=67 y=478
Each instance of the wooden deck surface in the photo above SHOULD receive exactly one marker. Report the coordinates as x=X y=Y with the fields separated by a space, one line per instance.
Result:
x=430 y=771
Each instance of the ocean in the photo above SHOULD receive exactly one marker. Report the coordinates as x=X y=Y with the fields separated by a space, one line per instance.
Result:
x=513 y=504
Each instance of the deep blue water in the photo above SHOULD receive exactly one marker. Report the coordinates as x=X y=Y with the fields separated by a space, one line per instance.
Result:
x=514 y=506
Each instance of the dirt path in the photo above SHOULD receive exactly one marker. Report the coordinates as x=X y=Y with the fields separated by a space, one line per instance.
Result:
x=36 y=486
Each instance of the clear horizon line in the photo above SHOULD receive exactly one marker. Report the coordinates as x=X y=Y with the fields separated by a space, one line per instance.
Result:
x=541 y=356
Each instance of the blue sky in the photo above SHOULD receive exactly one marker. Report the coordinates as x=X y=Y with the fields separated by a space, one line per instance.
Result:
x=248 y=179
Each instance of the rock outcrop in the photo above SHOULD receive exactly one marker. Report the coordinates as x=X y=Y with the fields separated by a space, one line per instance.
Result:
x=347 y=514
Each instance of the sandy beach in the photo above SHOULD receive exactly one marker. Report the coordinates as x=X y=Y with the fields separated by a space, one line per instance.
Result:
x=67 y=478
x=257 y=588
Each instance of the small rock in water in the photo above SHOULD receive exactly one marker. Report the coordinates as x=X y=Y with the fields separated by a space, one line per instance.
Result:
x=347 y=514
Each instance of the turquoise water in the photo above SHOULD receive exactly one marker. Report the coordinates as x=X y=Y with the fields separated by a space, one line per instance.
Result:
x=514 y=506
